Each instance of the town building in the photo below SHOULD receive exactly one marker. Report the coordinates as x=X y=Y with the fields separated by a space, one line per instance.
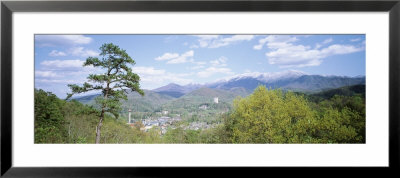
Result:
x=203 y=107
x=216 y=100
x=129 y=116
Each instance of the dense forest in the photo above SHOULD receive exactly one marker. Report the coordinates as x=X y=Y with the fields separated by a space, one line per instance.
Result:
x=264 y=116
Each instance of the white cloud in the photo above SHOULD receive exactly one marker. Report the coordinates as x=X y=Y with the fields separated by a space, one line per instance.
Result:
x=64 y=40
x=196 y=67
x=216 y=41
x=82 y=52
x=62 y=63
x=58 y=73
x=77 y=39
x=283 y=51
x=58 y=81
x=287 y=54
x=257 y=47
x=193 y=46
x=167 y=56
x=221 y=61
x=228 y=41
x=147 y=71
x=175 y=58
x=183 y=58
x=214 y=70
x=325 y=42
x=238 y=38
x=204 y=40
x=339 y=49
x=156 y=80
x=329 y=40
x=68 y=67
x=355 y=39
x=74 y=51
x=317 y=46
x=45 y=74
x=56 y=53
x=152 y=77
x=274 y=41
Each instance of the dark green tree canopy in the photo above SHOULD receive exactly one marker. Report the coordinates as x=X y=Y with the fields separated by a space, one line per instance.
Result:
x=116 y=79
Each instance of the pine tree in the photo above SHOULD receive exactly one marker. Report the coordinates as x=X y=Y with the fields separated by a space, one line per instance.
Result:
x=117 y=77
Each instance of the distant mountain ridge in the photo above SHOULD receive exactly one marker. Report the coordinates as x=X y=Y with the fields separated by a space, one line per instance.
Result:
x=176 y=90
x=287 y=80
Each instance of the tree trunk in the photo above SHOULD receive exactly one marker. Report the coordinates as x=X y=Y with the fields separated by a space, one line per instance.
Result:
x=98 y=128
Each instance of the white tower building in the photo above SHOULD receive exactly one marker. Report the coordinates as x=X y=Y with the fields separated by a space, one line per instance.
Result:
x=129 y=115
x=216 y=100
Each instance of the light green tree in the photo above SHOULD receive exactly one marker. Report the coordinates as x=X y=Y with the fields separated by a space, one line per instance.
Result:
x=271 y=116
x=274 y=116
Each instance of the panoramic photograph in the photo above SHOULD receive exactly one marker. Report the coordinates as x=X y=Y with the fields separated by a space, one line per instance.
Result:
x=200 y=89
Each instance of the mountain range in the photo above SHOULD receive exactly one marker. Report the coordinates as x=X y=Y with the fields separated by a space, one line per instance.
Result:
x=287 y=80
x=191 y=96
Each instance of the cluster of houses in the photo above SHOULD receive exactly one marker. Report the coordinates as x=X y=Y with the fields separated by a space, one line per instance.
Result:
x=164 y=122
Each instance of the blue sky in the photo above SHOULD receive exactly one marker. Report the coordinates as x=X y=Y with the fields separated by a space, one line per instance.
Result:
x=184 y=59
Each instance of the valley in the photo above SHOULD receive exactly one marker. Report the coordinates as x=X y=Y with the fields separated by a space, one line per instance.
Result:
x=197 y=107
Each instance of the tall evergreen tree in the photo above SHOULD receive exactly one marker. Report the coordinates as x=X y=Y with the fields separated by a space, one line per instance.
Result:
x=117 y=77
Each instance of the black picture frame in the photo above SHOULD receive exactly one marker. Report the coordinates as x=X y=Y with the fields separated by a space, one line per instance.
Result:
x=8 y=7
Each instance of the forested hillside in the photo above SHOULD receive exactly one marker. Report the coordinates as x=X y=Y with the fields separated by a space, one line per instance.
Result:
x=264 y=116
x=60 y=121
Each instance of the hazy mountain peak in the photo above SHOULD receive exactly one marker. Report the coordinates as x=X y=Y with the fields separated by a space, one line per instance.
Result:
x=168 y=87
x=173 y=84
x=266 y=77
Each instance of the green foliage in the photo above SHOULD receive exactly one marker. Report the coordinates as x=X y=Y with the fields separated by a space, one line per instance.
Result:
x=118 y=132
x=179 y=135
x=350 y=114
x=201 y=136
x=273 y=116
x=215 y=135
x=49 y=119
x=342 y=91
x=266 y=116
x=59 y=121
